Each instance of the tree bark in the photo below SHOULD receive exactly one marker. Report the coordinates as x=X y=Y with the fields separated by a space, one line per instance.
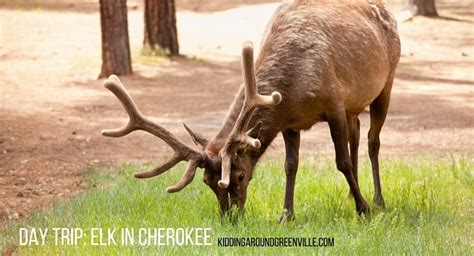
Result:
x=115 y=41
x=424 y=7
x=160 y=26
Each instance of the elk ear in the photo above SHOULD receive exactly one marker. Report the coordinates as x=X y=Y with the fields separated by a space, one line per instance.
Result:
x=198 y=139
x=255 y=131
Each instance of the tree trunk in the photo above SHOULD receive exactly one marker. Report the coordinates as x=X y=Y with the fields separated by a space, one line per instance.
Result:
x=115 y=42
x=160 y=26
x=424 y=7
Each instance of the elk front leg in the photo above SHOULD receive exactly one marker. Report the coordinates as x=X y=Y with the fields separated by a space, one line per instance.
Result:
x=292 y=145
x=339 y=133
x=353 y=124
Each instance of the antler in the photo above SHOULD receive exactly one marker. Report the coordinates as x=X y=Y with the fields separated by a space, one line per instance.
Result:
x=139 y=122
x=252 y=100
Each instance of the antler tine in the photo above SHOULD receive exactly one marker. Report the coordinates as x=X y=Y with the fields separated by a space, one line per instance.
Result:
x=175 y=159
x=187 y=177
x=114 y=84
x=253 y=98
x=225 y=174
x=139 y=122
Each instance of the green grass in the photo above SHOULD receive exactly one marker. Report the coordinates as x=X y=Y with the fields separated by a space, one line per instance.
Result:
x=429 y=210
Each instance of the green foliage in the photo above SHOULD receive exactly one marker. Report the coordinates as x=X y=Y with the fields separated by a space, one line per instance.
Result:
x=429 y=210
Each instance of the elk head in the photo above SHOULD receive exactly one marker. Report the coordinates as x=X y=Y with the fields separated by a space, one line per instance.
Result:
x=225 y=173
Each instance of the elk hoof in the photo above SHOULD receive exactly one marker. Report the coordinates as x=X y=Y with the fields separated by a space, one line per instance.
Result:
x=286 y=216
x=363 y=209
x=378 y=200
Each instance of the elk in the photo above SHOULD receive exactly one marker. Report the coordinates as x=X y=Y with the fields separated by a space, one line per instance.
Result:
x=319 y=61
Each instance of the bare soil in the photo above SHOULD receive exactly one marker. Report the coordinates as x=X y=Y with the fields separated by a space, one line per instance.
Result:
x=52 y=107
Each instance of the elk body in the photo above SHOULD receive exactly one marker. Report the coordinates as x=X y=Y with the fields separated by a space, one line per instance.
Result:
x=319 y=61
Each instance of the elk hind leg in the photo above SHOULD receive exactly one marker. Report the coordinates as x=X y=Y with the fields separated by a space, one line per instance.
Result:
x=339 y=133
x=378 y=112
x=353 y=125
x=292 y=145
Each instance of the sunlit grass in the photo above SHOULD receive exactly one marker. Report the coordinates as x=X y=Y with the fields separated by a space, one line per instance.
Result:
x=429 y=210
x=147 y=56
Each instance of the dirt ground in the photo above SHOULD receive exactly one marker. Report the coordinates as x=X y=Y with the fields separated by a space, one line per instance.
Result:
x=52 y=107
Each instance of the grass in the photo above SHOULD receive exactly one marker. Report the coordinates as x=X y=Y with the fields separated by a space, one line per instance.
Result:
x=429 y=211
x=149 y=56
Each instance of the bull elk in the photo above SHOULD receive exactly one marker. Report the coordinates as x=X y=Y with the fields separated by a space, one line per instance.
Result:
x=319 y=61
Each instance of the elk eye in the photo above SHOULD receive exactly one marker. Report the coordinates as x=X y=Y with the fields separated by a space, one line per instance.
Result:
x=241 y=177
